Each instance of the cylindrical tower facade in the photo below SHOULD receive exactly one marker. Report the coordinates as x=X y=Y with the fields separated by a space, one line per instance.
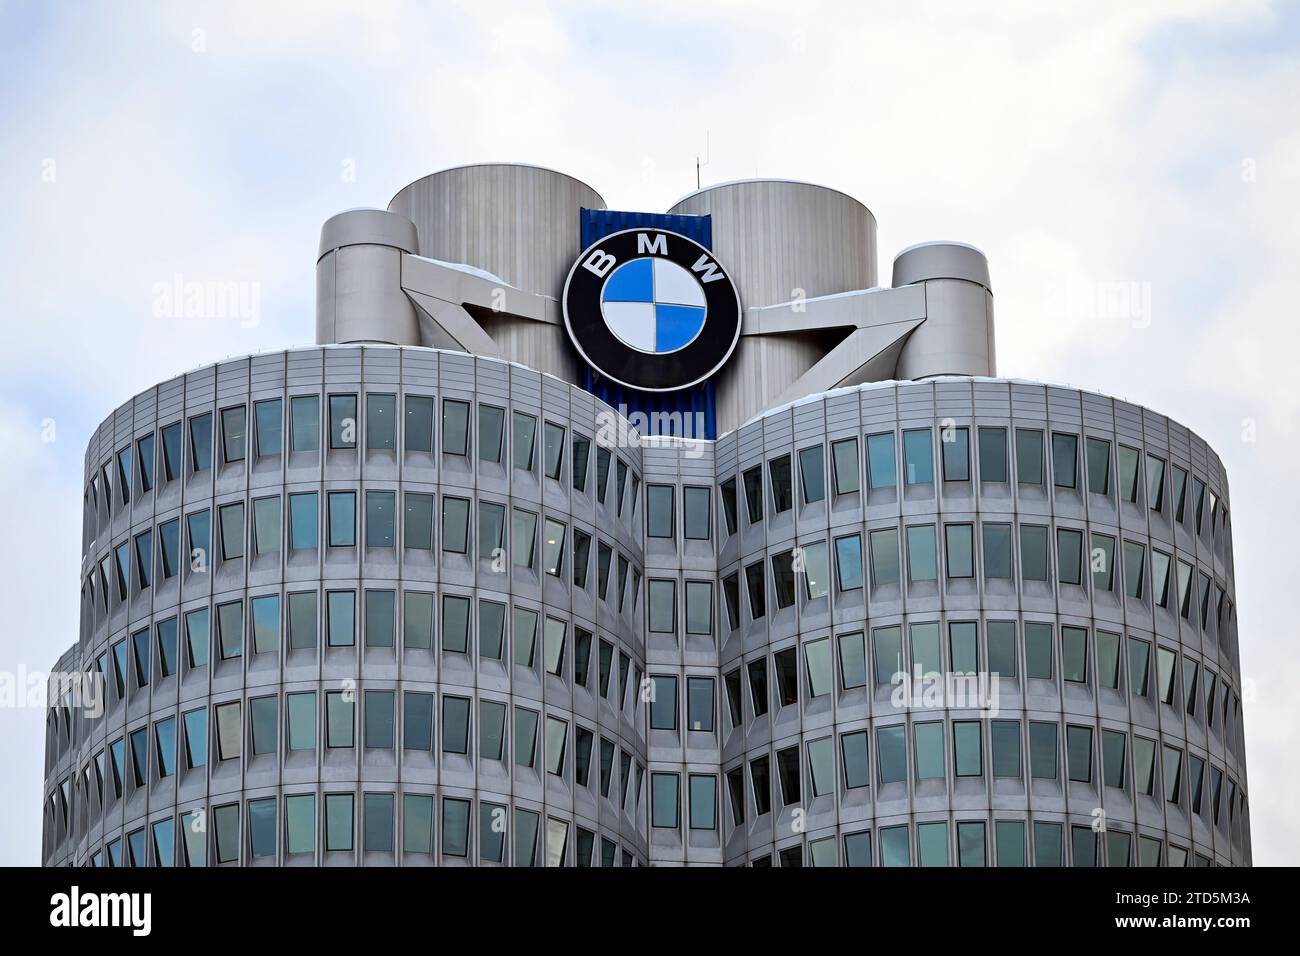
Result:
x=377 y=605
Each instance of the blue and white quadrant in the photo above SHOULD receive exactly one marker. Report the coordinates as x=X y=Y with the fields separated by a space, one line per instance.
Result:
x=653 y=305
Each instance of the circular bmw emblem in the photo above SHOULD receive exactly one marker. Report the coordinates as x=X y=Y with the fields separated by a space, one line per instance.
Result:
x=651 y=309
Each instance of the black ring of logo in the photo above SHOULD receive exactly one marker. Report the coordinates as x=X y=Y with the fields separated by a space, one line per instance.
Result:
x=618 y=361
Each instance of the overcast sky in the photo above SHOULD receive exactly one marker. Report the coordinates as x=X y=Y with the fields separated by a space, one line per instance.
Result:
x=1153 y=147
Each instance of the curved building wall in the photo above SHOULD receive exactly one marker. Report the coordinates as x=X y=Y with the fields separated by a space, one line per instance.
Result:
x=782 y=241
x=766 y=587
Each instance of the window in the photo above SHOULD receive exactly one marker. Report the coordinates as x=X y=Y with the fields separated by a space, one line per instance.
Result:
x=1108 y=660
x=1002 y=648
x=557 y=735
x=1033 y=552
x=895 y=848
x=381 y=422
x=1078 y=750
x=303 y=528
x=760 y=776
x=699 y=607
x=1102 y=561
x=553 y=640
x=169 y=546
x=660 y=519
x=525 y=737
x=225 y=823
x=787 y=765
x=1065 y=460
x=787 y=676
x=167 y=639
x=1165 y=661
x=1042 y=750
x=552 y=449
x=664 y=799
x=963 y=646
x=697 y=521
x=302 y=620
x=922 y=560
x=1083 y=846
x=817 y=655
x=232 y=531
x=523 y=624
x=342 y=519
x=754 y=583
x=1134 y=566
x=848 y=563
x=1047 y=844
x=754 y=494
x=341 y=614
x=782 y=484
x=1098 y=466
x=967 y=748
x=455 y=725
x=338 y=821
x=758 y=686
x=844 y=456
x=144 y=453
x=918 y=457
x=417 y=530
x=853 y=751
x=418 y=431
x=266 y=525
x=455 y=427
x=728 y=491
x=523 y=438
x=1029 y=456
x=339 y=719
x=379 y=719
x=230 y=629
x=455 y=827
x=343 y=421
x=304 y=423
x=888 y=645
x=882 y=463
x=970 y=844
x=993 y=453
x=891 y=754
x=956 y=454
x=602 y=473
x=884 y=557
x=491 y=730
x=928 y=738
x=1038 y=650
x=1139 y=659
x=228 y=730
x=265 y=612
x=1112 y=757
x=853 y=660
x=812 y=474
x=234 y=422
x=959 y=547
x=1155 y=483
x=932 y=843
x=1069 y=547
x=663 y=702
x=196 y=636
x=523 y=530
x=380 y=518
x=703 y=802
x=1004 y=736
x=1074 y=654
x=581 y=461
x=1129 y=473
x=783 y=578
x=171 y=444
x=263 y=716
x=699 y=704
x=455 y=525
x=301 y=716
x=1009 y=842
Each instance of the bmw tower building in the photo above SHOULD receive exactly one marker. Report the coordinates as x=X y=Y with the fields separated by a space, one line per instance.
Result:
x=585 y=537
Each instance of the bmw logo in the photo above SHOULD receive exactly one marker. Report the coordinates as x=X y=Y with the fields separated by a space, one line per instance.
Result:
x=651 y=310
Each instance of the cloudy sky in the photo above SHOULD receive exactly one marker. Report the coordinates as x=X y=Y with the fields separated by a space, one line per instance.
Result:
x=1153 y=147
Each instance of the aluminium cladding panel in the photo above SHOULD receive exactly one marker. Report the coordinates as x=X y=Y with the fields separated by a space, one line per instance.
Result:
x=518 y=222
x=781 y=241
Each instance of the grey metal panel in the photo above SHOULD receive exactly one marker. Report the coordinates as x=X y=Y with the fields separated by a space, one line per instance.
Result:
x=518 y=222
